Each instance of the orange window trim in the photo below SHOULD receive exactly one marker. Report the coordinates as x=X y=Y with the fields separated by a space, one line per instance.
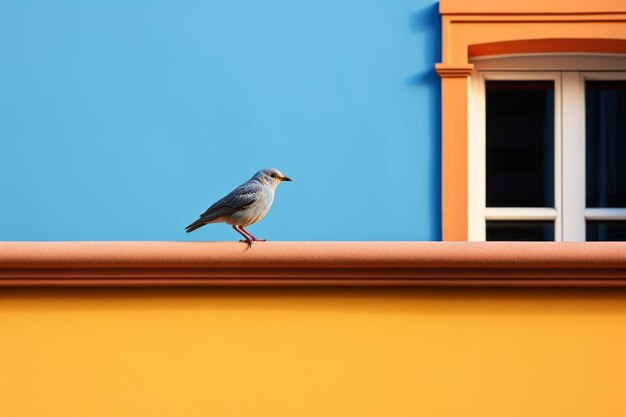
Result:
x=488 y=27
x=331 y=264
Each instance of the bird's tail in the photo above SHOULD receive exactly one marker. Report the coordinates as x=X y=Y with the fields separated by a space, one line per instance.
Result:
x=195 y=225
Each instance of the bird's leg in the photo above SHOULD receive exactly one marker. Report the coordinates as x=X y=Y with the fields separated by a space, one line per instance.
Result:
x=248 y=234
x=254 y=239
x=245 y=233
x=245 y=236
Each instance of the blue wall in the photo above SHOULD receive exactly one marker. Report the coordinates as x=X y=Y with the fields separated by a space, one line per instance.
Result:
x=124 y=120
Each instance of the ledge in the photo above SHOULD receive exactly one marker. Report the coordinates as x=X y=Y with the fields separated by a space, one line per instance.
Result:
x=312 y=264
x=447 y=71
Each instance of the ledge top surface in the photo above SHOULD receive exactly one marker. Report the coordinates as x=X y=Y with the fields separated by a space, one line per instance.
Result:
x=312 y=254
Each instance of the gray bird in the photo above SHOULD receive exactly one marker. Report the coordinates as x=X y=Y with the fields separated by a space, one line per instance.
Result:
x=245 y=205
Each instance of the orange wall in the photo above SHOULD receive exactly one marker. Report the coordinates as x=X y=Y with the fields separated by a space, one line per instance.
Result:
x=530 y=6
x=312 y=352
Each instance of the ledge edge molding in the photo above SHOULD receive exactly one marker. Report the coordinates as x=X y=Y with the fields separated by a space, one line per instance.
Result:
x=359 y=264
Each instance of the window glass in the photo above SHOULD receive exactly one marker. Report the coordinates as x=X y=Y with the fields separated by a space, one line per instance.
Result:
x=520 y=230
x=605 y=120
x=520 y=143
x=606 y=230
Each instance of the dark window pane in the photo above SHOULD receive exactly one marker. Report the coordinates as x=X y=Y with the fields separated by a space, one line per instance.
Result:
x=520 y=143
x=605 y=103
x=520 y=230
x=606 y=230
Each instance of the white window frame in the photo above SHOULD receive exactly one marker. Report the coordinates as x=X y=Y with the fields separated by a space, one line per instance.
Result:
x=569 y=73
x=593 y=213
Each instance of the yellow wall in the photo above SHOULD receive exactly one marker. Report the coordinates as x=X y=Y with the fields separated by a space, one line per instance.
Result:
x=246 y=352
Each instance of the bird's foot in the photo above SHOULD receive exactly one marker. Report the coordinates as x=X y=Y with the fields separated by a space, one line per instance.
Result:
x=248 y=241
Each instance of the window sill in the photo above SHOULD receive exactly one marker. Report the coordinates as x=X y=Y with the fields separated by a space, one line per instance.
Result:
x=42 y=264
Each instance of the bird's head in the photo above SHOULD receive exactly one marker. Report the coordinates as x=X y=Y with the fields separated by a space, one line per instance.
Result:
x=270 y=176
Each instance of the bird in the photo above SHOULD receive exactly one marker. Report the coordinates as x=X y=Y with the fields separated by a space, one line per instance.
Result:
x=245 y=205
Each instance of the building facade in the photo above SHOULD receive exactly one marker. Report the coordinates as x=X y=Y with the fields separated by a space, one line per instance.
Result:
x=514 y=313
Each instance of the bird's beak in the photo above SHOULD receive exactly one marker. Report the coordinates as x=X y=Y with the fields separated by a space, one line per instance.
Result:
x=286 y=179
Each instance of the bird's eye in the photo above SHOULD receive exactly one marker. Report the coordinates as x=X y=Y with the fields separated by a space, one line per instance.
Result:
x=273 y=175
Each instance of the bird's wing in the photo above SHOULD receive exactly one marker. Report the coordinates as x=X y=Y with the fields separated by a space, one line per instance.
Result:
x=245 y=195
x=241 y=197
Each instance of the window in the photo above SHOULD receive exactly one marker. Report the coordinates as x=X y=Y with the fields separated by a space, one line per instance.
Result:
x=547 y=150
x=509 y=37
